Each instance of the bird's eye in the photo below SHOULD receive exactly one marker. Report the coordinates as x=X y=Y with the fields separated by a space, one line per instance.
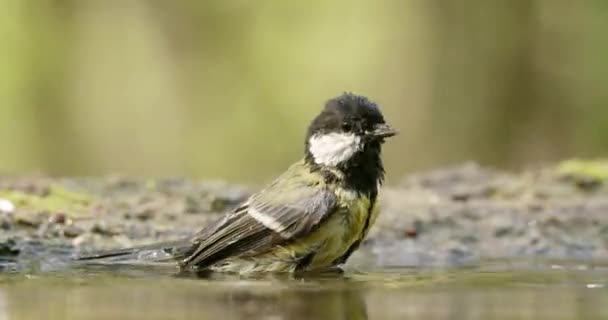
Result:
x=346 y=126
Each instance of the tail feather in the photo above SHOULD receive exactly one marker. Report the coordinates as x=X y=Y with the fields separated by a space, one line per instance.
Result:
x=156 y=252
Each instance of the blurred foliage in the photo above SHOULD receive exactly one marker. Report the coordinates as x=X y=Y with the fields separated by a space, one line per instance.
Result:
x=57 y=199
x=590 y=169
x=225 y=89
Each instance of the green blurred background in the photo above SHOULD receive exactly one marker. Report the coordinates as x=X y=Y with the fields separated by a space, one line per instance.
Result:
x=225 y=89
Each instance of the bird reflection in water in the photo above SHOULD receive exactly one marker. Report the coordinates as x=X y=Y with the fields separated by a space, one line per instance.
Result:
x=330 y=295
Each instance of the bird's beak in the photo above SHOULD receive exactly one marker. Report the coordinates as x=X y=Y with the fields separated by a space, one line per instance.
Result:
x=382 y=131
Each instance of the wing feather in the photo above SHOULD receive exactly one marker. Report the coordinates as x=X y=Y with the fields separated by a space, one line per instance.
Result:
x=285 y=211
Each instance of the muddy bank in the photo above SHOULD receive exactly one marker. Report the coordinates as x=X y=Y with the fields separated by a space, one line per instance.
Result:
x=450 y=216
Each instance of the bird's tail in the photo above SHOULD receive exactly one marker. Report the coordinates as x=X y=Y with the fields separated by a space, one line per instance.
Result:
x=153 y=253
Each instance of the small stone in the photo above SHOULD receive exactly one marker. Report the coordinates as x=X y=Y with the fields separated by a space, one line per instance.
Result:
x=103 y=230
x=59 y=218
x=469 y=239
x=72 y=231
x=141 y=213
x=588 y=183
x=8 y=248
x=144 y=214
x=28 y=220
x=502 y=224
x=411 y=232
x=502 y=231
x=219 y=204
x=84 y=240
x=6 y=206
x=194 y=205
x=6 y=221
x=461 y=196
x=536 y=206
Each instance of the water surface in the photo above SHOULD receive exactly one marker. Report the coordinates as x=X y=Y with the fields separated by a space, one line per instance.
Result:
x=493 y=290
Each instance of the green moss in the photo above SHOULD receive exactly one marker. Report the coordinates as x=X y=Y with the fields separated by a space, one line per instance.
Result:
x=590 y=169
x=58 y=199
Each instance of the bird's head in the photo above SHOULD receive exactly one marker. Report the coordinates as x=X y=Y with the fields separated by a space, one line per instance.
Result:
x=349 y=127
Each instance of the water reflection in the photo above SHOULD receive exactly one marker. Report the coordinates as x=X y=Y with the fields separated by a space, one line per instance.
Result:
x=157 y=293
x=303 y=304
x=329 y=295
x=133 y=294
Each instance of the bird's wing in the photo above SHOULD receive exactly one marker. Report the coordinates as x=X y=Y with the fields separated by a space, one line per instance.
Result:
x=288 y=209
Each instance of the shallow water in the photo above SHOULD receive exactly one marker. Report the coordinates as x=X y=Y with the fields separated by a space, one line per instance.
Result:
x=493 y=290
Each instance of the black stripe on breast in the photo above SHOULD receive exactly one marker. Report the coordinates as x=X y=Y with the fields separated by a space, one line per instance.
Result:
x=357 y=243
x=305 y=261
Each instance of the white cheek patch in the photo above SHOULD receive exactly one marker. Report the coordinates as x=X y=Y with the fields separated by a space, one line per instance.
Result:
x=333 y=148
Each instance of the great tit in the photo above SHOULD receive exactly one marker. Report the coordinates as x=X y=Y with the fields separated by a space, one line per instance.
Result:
x=313 y=216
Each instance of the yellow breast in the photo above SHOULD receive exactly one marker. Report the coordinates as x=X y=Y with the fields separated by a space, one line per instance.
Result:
x=333 y=239
x=328 y=243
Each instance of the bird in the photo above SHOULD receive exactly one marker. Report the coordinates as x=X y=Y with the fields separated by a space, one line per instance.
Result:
x=312 y=217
